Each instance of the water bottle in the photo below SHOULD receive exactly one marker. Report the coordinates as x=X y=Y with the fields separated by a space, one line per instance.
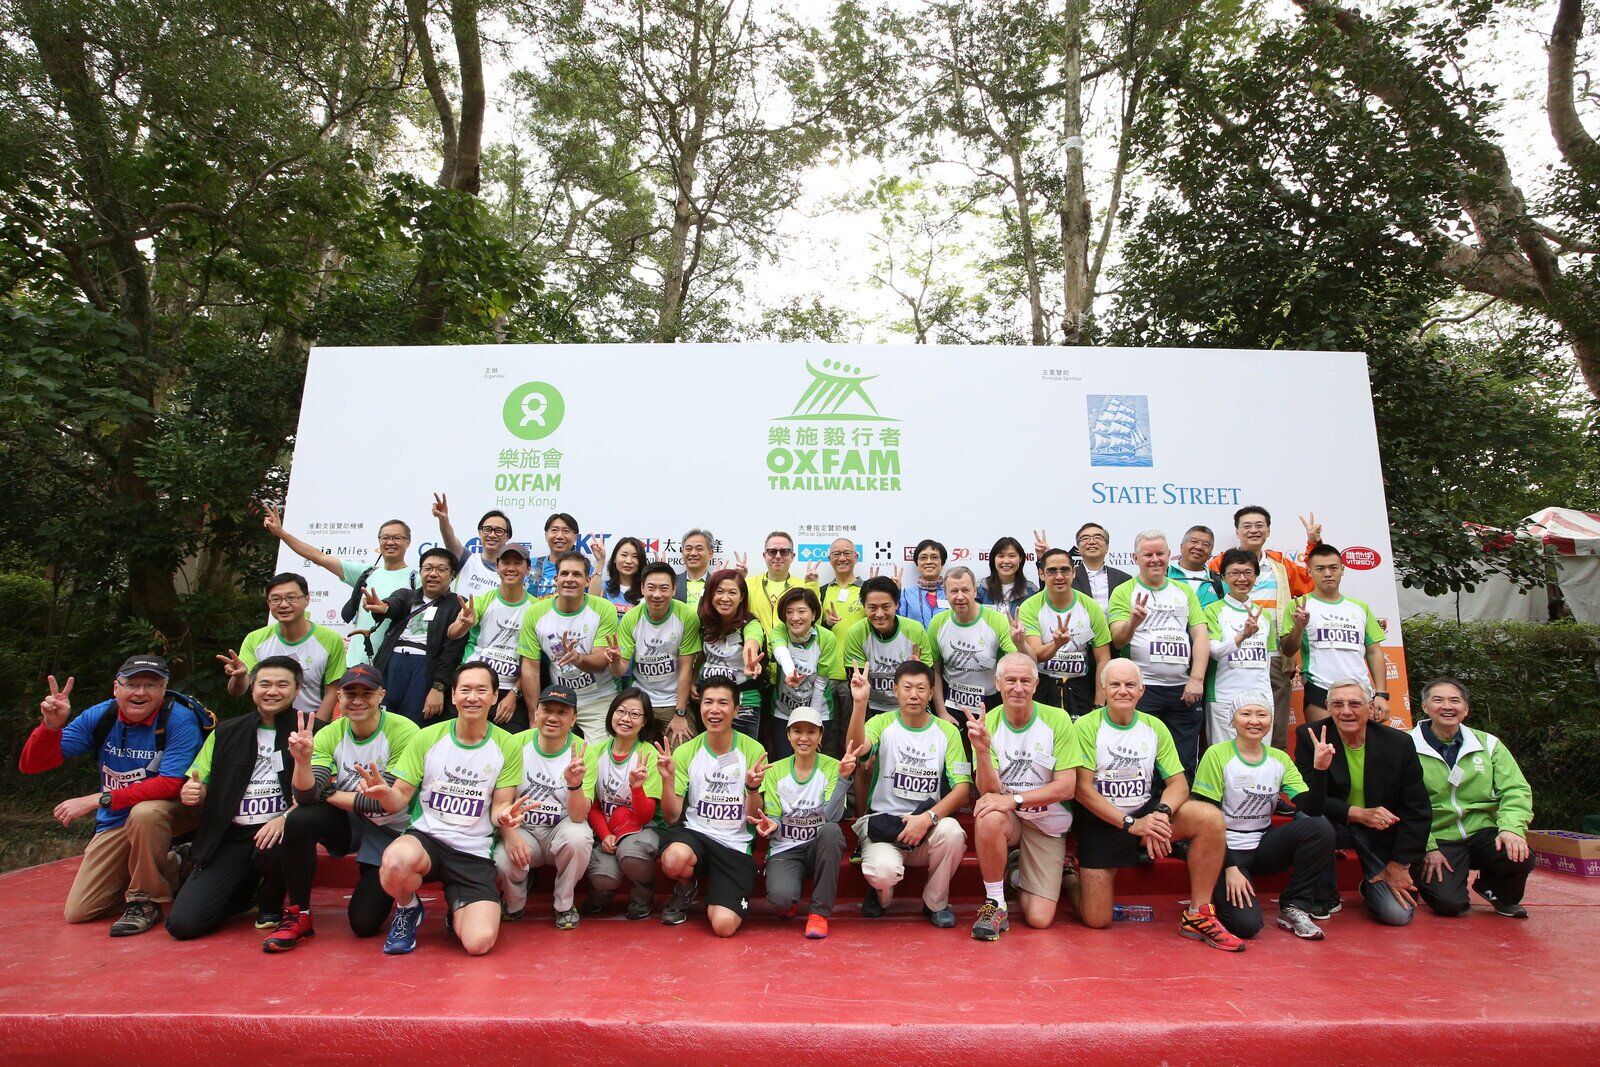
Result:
x=1133 y=913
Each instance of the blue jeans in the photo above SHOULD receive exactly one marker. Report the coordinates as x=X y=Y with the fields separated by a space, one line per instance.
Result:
x=1182 y=720
x=406 y=686
x=1381 y=903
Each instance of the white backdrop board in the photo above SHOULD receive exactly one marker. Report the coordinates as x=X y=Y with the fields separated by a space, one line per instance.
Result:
x=883 y=444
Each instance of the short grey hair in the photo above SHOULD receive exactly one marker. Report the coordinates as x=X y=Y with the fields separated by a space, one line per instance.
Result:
x=711 y=542
x=1012 y=658
x=1347 y=683
x=1138 y=672
x=961 y=571
x=1150 y=535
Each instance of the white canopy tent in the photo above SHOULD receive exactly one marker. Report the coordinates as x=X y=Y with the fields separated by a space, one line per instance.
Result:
x=1571 y=537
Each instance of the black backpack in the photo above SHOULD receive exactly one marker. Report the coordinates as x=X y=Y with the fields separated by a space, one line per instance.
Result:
x=203 y=715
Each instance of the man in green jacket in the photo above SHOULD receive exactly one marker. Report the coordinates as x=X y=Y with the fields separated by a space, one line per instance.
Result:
x=1481 y=809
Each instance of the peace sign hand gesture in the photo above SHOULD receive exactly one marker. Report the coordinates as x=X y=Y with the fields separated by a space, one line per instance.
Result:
x=441 y=506
x=1302 y=614
x=811 y=572
x=978 y=733
x=56 y=708
x=1321 y=751
x=640 y=771
x=597 y=549
x=612 y=650
x=232 y=665
x=664 y=765
x=1139 y=610
x=374 y=603
x=1313 y=528
x=741 y=563
x=272 y=520
x=860 y=688
x=513 y=815
x=852 y=755
x=1062 y=635
x=374 y=784
x=574 y=772
x=1019 y=633
x=763 y=824
x=758 y=771
x=300 y=739
x=1252 y=622
x=1041 y=544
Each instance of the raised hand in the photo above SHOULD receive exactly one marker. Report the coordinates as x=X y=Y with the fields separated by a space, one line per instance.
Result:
x=56 y=708
x=1019 y=633
x=468 y=613
x=741 y=563
x=232 y=665
x=441 y=507
x=829 y=616
x=852 y=755
x=793 y=680
x=1252 y=623
x=860 y=687
x=613 y=651
x=574 y=771
x=753 y=658
x=978 y=733
x=1139 y=610
x=1041 y=544
x=752 y=777
x=193 y=791
x=570 y=650
x=374 y=603
x=811 y=572
x=1302 y=614
x=664 y=765
x=513 y=815
x=763 y=824
x=373 y=783
x=639 y=772
x=1061 y=636
x=597 y=549
x=300 y=740
x=272 y=521
x=1313 y=528
x=1321 y=751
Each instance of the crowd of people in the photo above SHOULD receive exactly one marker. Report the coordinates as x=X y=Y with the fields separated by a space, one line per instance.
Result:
x=623 y=722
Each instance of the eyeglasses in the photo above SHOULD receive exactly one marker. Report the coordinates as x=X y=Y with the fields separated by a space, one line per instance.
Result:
x=435 y=568
x=1091 y=537
x=486 y=530
x=141 y=687
x=285 y=600
x=1049 y=571
x=628 y=713
x=382 y=538
x=559 y=530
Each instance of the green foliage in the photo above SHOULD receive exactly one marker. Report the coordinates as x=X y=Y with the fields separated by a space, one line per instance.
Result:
x=1537 y=688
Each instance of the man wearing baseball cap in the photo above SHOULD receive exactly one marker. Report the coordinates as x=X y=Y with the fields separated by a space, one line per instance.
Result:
x=143 y=738
x=491 y=624
x=554 y=828
x=798 y=809
x=331 y=810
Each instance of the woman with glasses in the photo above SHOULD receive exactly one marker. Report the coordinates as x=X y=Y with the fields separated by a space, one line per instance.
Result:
x=621 y=777
x=923 y=597
x=1006 y=586
x=475 y=574
x=620 y=585
x=1067 y=636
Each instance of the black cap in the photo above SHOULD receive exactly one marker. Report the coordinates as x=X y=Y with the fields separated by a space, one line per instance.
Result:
x=511 y=548
x=144 y=665
x=361 y=674
x=558 y=694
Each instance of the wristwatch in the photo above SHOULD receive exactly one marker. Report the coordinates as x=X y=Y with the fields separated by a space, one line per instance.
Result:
x=682 y=713
x=1163 y=809
x=105 y=799
x=1128 y=821
x=934 y=816
x=437 y=687
x=1016 y=798
x=1384 y=693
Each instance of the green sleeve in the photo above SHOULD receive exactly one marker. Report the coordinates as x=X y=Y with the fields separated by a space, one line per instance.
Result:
x=919 y=637
x=1028 y=614
x=528 y=642
x=931 y=638
x=770 y=801
x=402 y=732
x=1068 y=750
x=1214 y=620
x=335 y=646
x=323 y=744
x=830 y=770
x=754 y=631
x=1120 y=604
x=625 y=630
x=652 y=773
x=955 y=756
x=511 y=770
x=1087 y=727
x=750 y=747
x=202 y=759
x=252 y=641
x=690 y=644
x=875 y=727
x=1516 y=797
x=608 y=618
x=778 y=636
x=1208 y=779
x=991 y=723
x=854 y=643
x=1002 y=629
x=681 y=757
x=480 y=604
x=1167 y=761
x=409 y=768
x=591 y=768
x=1293 y=783
x=1097 y=621
x=1375 y=633
x=1197 y=616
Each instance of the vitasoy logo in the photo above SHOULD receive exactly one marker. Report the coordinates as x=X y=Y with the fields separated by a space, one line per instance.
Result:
x=1358 y=558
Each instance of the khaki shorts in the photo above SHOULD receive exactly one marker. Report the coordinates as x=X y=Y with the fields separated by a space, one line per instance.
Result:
x=1043 y=856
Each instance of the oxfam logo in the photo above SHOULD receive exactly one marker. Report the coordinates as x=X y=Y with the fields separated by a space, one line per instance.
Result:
x=837 y=393
x=534 y=410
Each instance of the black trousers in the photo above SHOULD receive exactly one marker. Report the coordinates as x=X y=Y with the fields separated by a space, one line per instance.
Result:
x=1304 y=846
x=1505 y=878
x=1075 y=696
x=309 y=825
x=238 y=874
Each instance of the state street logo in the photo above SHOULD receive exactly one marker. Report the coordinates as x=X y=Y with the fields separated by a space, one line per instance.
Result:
x=534 y=410
x=831 y=450
x=1119 y=431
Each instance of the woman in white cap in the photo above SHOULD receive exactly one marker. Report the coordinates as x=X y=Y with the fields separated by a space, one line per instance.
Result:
x=798 y=810
x=1245 y=777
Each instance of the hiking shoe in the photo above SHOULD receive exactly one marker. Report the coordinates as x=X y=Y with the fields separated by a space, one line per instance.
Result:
x=295 y=928
x=567 y=920
x=1510 y=911
x=596 y=902
x=184 y=854
x=403 y=931
x=140 y=915
x=1325 y=909
x=872 y=905
x=992 y=922
x=944 y=918
x=268 y=920
x=1297 y=922
x=638 y=909
x=816 y=927
x=1203 y=925
x=677 y=909
x=511 y=916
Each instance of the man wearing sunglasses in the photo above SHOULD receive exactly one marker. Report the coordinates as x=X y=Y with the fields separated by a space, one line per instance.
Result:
x=766 y=589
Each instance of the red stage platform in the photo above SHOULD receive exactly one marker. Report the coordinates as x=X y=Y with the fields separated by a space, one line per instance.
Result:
x=1470 y=990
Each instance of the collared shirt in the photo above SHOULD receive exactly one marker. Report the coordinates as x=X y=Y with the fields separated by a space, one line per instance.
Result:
x=1448 y=750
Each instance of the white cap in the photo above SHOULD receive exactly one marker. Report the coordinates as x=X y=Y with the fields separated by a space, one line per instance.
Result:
x=810 y=715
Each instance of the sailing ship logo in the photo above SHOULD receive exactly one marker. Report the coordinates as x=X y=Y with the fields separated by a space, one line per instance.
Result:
x=1119 y=431
x=837 y=393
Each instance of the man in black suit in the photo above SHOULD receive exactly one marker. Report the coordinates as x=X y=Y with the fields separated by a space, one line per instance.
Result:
x=1095 y=579
x=1377 y=802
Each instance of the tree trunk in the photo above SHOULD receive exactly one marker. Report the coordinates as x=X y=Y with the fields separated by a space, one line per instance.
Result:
x=1030 y=255
x=1074 y=209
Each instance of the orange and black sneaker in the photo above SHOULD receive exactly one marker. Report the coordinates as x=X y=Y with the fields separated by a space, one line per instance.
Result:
x=816 y=927
x=1203 y=925
x=293 y=928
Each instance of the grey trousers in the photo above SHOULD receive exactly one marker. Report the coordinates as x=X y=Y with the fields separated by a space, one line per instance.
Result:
x=635 y=858
x=819 y=859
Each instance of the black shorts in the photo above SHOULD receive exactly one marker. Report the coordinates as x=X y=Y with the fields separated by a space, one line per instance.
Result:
x=1075 y=696
x=1313 y=694
x=728 y=874
x=1102 y=846
x=467 y=879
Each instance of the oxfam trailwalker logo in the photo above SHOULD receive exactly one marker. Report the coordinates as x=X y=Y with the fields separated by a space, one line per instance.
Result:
x=830 y=450
x=534 y=410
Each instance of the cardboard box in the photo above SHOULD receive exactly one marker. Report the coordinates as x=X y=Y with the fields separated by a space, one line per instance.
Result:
x=1566 y=852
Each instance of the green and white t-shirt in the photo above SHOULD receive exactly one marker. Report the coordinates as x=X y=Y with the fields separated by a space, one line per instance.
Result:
x=456 y=783
x=797 y=804
x=816 y=661
x=320 y=654
x=1161 y=645
x=1334 y=645
x=865 y=647
x=380 y=581
x=337 y=748
x=1248 y=792
x=1029 y=757
x=1086 y=629
x=544 y=780
x=548 y=631
x=913 y=765
x=263 y=798
x=712 y=788
x=653 y=648
x=1238 y=666
x=605 y=777
x=497 y=634
x=966 y=653
x=1128 y=759
x=724 y=657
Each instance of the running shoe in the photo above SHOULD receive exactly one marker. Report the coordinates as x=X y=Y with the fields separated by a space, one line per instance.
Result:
x=1297 y=922
x=992 y=921
x=677 y=910
x=295 y=928
x=403 y=932
x=1203 y=925
x=816 y=927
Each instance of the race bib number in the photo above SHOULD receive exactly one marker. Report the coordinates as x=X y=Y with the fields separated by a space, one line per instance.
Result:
x=655 y=668
x=1342 y=637
x=1115 y=789
x=1066 y=665
x=914 y=785
x=1250 y=654
x=505 y=662
x=110 y=780
x=1169 y=650
x=261 y=807
x=456 y=810
x=883 y=681
x=541 y=817
x=720 y=812
x=575 y=677
x=800 y=825
x=964 y=697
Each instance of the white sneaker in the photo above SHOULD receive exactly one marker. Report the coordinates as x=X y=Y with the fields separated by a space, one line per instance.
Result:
x=1298 y=923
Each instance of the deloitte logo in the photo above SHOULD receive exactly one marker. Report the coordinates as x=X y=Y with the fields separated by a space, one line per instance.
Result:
x=534 y=410
x=841 y=443
x=837 y=393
